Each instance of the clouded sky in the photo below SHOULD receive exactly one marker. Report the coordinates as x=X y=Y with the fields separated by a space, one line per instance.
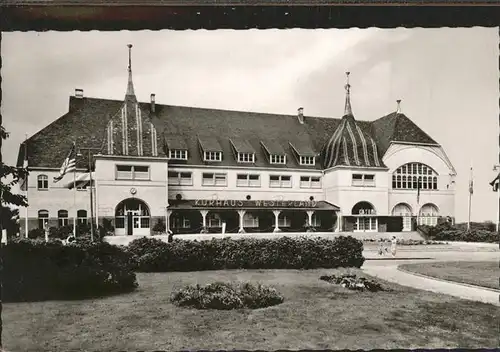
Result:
x=447 y=80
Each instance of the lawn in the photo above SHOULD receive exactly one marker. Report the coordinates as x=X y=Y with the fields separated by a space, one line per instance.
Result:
x=475 y=273
x=315 y=315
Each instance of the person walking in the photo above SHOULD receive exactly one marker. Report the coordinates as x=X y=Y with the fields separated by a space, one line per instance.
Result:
x=394 y=242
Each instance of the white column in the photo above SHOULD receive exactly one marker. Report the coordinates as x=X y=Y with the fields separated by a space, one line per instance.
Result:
x=241 y=213
x=276 y=217
x=204 y=216
x=310 y=217
x=167 y=221
x=338 y=227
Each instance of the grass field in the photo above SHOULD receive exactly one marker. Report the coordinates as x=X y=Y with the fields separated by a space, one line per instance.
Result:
x=475 y=273
x=315 y=315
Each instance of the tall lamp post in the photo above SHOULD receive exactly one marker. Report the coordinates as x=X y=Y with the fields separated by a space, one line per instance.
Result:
x=89 y=155
x=497 y=168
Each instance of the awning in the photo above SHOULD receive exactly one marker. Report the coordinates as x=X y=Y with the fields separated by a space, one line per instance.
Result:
x=218 y=204
x=81 y=181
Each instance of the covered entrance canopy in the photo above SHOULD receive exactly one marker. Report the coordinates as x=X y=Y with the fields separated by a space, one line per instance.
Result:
x=214 y=215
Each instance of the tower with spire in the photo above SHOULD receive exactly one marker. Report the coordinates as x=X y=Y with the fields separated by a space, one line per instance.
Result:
x=131 y=131
x=349 y=145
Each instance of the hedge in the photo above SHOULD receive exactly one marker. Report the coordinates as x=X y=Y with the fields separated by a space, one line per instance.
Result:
x=35 y=270
x=447 y=232
x=153 y=255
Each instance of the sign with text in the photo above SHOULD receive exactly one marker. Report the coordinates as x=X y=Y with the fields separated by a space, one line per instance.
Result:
x=217 y=203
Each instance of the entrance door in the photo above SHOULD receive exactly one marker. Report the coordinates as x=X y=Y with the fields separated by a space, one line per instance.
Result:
x=130 y=227
x=404 y=211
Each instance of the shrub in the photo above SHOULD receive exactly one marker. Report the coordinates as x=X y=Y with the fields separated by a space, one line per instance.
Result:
x=283 y=253
x=351 y=282
x=36 y=270
x=36 y=233
x=224 y=296
x=159 y=227
x=446 y=232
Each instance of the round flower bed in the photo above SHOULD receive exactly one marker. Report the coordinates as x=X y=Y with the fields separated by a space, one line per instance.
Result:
x=224 y=296
x=352 y=282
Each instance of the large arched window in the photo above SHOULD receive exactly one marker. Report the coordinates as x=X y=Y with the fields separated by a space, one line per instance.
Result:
x=43 y=218
x=62 y=217
x=410 y=175
x=42 y=182
x=428 y=215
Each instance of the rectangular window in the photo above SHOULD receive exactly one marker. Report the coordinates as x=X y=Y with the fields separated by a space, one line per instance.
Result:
x=213 y=156
x=214 y=179
x=177 y=154
x=307 y=160
x=43 y=183
x=246 y=157
x=277 y=159
x=132 y=172
x=284 y=221
x=250 y=220
x=281 y=181
x=310 y=182
x=248 y=180
x=176 y=178
x=362 y=180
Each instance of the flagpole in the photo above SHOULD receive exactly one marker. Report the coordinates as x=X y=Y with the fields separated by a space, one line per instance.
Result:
x=470 y=198
x=26 y=207
x=74 y=193
x=91 y=201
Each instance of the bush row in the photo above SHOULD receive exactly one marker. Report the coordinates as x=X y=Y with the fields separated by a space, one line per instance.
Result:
x=153 y=255
x=446 y=232
x=35 y=270
x=220 y=295
x=82 y=230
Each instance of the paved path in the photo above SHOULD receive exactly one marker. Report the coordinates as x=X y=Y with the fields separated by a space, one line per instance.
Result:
x=388 y=270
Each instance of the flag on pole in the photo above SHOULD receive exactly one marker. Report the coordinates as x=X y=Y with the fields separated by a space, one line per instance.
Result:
x=24 y=182
x=471 y=183
x=68 y=165
x=495 y=182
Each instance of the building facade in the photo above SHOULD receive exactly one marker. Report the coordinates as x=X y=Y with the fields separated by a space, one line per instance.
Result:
x=205 y=170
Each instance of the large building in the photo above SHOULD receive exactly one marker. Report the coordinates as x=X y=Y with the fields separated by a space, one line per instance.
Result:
x=198 y=169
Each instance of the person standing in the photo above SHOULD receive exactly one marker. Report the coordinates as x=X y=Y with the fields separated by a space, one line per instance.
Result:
x=394 y=242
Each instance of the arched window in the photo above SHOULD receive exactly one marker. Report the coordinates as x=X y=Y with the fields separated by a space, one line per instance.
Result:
x=366 y=219
x=428 y=215
x=414 y=174
x=43 y=218
x=62 y=217
x=403 y=210
x=81 y=216
x=43 y=182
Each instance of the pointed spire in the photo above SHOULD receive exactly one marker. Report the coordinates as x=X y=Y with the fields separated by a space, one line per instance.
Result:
x=130 y=85
x=347 y=109
x=398 y=111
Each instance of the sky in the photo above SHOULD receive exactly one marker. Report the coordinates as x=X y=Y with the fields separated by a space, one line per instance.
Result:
x=446 y=78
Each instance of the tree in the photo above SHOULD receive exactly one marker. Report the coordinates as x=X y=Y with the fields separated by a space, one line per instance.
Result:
x=14 y=174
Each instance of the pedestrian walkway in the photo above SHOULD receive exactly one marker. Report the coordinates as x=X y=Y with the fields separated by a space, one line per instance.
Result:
x=390 y=272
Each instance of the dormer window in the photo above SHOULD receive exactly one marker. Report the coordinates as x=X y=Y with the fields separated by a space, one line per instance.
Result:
x=246 y=157
x=210 y=149
x=178 y=154
x=243 y=150
x=307 y=160
x=212 y=156
x=304 y=153
x=277 y=159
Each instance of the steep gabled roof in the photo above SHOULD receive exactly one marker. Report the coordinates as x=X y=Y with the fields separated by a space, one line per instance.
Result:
x=397 y=127
x=87 y=120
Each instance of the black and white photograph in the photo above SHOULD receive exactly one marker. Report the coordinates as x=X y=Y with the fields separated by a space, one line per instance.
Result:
x=250 y=189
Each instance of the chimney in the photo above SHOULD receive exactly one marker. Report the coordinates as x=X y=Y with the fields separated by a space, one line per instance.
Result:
x=78 y=93
x=300 y=115
x=398 y=111
x=152 y=102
